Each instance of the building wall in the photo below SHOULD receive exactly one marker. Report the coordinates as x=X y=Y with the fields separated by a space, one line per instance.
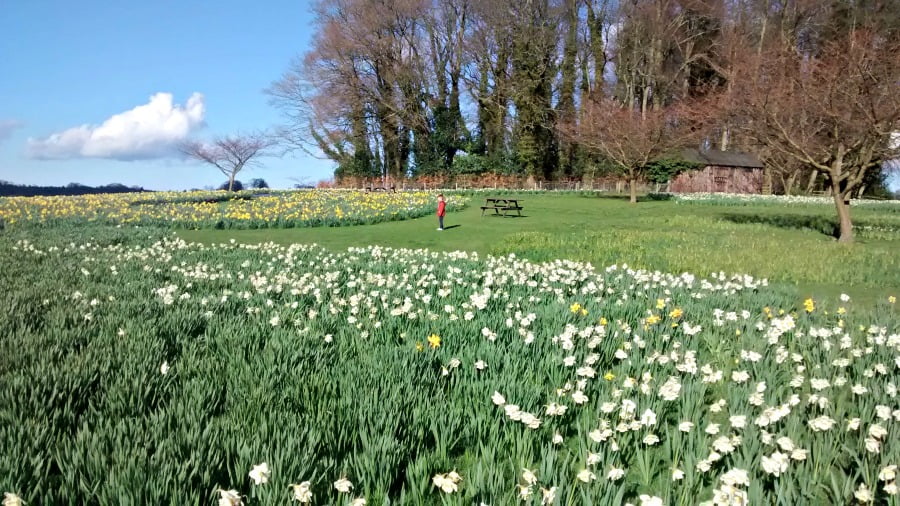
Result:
x=717 y=179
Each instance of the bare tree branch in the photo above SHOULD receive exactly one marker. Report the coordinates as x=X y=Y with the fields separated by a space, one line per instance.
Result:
x=230 y=154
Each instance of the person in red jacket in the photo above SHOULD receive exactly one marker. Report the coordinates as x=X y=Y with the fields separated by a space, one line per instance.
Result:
x=441 y=211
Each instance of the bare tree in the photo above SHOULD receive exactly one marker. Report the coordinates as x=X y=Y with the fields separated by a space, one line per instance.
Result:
x=631 y=138
x=230 y=154
x=834 y=110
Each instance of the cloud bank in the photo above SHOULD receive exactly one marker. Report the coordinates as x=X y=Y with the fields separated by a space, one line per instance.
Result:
x=148 y=131
x=7 y=126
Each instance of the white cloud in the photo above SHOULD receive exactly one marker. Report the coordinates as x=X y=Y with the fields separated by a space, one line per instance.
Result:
x=7 y=126
x=148 y=131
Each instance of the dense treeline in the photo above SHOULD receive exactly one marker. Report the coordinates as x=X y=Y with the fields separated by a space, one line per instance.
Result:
x=402 y=88
x=567 y=89
x=8 y=189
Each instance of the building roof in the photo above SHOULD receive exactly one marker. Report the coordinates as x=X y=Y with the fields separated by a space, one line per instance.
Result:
x=721 y=158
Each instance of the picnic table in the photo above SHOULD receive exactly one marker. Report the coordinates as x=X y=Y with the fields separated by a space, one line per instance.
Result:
x=502 y=205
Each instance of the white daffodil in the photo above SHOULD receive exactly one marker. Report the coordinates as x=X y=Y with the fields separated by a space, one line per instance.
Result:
x=548 y=495
x=736 y=477
x=260 y=473
x=302 y=492
x=863 y=494
x=343 y=485
x=586 y=476
x=649 y=500
x=578 y=397
x=446 y=482
x=524 y=492
x=528 y=476
x=615 y=474
x=230 y=498
x=11 y=499
x=775 y=464
x=821 y=423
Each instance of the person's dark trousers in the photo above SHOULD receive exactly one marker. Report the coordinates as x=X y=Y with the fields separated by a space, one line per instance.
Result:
x=441 y=221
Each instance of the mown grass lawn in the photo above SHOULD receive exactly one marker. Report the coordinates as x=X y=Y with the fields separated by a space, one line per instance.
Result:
x=790 y=246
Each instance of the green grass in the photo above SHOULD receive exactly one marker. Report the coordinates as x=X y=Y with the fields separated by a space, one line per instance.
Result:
x=788 y=245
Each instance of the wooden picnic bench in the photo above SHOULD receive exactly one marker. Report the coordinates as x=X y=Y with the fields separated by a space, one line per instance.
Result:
x=502 y=205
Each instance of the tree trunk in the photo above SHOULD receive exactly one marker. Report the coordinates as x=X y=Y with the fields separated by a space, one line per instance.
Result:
x=843 y=210
x=231 y=182
x=812 y=181
x=633 y=186
x=789 y=183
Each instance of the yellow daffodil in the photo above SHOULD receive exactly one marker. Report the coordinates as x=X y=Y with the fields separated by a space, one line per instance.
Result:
x=434 y=341
x=809 y=305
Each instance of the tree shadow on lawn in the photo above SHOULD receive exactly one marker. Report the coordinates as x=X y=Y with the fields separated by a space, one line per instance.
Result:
x=625 y=197
x=821 y=224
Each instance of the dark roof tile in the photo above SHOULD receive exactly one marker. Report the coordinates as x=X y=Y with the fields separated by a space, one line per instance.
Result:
x=721 y=158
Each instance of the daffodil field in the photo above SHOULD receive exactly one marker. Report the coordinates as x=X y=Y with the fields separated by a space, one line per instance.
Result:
x=221 y=209
x=137 y=368
x=737 y=199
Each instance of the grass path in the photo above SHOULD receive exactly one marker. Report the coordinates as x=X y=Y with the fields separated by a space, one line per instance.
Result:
x=788 y=245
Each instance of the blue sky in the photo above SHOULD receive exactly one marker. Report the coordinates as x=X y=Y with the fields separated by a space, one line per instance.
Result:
x=97 y=91
x=78 y=77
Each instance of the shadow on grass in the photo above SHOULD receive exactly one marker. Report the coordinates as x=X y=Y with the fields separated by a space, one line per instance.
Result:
x=822 y=224
x=451 y=226
x=624 y=197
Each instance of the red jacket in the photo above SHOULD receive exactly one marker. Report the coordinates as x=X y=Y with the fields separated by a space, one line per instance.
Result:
x=442 y=208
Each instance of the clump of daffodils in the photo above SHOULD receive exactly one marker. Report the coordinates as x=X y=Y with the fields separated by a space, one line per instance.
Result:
x=447 y=482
